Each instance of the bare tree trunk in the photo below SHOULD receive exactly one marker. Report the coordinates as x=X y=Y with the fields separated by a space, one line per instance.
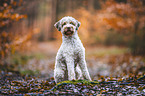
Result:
x=136 y=47
x=91 y=5
x=70 y=6
x=53 y=18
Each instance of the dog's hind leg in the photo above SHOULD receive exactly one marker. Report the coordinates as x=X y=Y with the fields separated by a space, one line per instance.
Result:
x=78 y=73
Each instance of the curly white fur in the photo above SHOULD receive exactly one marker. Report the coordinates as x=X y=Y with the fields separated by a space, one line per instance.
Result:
x=70 y=60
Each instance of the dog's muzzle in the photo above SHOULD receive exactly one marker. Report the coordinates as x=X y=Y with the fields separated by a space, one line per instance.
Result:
x=68 y=31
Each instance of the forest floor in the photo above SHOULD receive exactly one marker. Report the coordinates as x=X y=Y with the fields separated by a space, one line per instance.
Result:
x=114 y=71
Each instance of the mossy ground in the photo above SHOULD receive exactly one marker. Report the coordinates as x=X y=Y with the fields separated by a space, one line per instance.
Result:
x=75 y=82
x=23 y=85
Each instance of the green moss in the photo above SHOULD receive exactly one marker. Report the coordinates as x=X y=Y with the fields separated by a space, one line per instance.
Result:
x=79 y=81
x=74 y=82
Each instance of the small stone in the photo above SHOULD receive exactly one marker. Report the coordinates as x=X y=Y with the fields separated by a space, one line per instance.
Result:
x=75 y=90
x=85 y=90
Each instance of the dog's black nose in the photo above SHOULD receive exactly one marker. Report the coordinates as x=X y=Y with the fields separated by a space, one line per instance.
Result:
x=68 y=28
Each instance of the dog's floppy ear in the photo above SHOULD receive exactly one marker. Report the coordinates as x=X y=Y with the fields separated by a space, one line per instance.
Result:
x=78 y=25
x=57 y=25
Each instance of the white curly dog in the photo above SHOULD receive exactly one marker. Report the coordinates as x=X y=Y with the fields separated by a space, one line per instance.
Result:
x=70 y=61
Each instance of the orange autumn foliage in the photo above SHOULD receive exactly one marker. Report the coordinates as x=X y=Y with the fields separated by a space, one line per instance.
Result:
x=123 y=15
x=8 y=40
x=8 y=14
x=120 y=17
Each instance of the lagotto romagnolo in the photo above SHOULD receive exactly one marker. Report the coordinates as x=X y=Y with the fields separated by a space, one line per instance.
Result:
x=70 y=61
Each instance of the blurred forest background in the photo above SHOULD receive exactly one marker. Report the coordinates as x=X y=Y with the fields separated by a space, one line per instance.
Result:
x=112 y=31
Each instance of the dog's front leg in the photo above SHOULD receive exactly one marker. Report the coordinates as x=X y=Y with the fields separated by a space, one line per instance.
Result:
x=70 y=68
x=83 y=67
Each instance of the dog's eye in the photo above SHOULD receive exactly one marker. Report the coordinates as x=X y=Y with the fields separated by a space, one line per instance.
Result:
x=63 y=24
x=72 y=23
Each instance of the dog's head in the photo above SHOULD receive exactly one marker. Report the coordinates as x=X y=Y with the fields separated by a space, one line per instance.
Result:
x=67 y=25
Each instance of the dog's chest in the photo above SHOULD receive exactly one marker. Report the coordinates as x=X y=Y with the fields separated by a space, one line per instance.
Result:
x=72 y=49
